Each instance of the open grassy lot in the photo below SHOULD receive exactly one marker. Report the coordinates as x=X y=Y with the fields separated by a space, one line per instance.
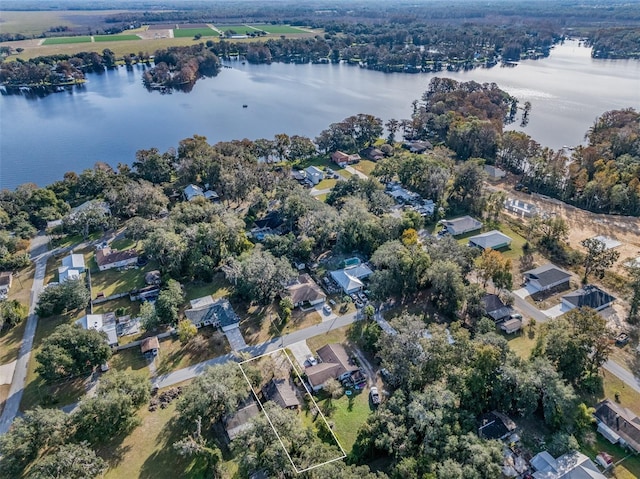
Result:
x=523 y=341
x=277 y=29
x=36 y=22
x=209 y=343
x=326 y=183
x=131 y=361
x=239 y=29
x=218 y=288
x=64 y=40
x=338 y=335
x=365 y=166
x=37 y=391
x=148 y=453
x=115 y=38
x=11 y=339
x=346 y=414
x=113 y=281
x=191 y=32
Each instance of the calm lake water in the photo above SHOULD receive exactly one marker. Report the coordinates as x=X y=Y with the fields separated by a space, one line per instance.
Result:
x=113 y=115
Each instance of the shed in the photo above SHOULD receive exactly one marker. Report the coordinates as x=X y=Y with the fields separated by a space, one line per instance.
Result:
x=493 y=239
x=494 y=172
x=6 y=278
x=150 y=346
x=74 y=261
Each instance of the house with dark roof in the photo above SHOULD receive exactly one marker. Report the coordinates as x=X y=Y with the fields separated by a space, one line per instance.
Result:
x=282 y=392
x=495 y=308
x=207 y=312
x=618 y=424
x=546 y=277
x=334 y=363
x=418 y=146
x=108 y=258
x=305 y=290
x=493 y=239
x=588 y=296
x=372 y=153
x=342 y=158
x=495 y=425
x=462 y=225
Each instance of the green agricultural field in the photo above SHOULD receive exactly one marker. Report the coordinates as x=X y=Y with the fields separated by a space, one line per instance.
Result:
x=115 y=38
x=278 y=28
x=239 y=29
x=192 y=32
x=65 y=40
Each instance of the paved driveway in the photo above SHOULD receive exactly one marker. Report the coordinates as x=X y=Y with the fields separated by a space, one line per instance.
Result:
x=300 y=351
x=236 y=340
x=557 y=310
x=526 y=291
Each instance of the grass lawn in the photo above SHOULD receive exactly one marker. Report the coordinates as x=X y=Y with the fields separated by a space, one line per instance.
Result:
x=322 y=197
x=514 y=252
x=326 y=183
x=277 y=29
x=123 y=243
x=65 y=40
x=10 y=341
x=239 y=29
x=115 y=38
x=147 y=452
x=218 y=288
x=132 y=308
x=365 y=166
x=113 y=281
x=300 y=320
x=131 y=361
x=37 y=391
x=192 y=32
x=338 y=335
x=523 y=341
x=347 y=414
x=209 y=343
x=630 y=467
x=22 y=284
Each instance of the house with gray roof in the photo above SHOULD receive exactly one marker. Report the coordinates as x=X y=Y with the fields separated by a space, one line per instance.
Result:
x=492 y=239
x=546 y=277
x=462 y=225
x=573 y=465
x=240 y=421
x=589 y=296
x=314 y=174
x=101 y=322
x=282 y=392
x=207 y=312
x=618 y=424
x=350 y=279
x=495 y=308
x=74 y=261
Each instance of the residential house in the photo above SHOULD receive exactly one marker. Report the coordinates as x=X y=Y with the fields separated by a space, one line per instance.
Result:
x=493 y=239
x=521 y=208
x=618 y=424
x=511 y=326
x=495 y=425
x=573 y=465
x=150 y=347
x=6 y=278
x=191 y=192
x=282 y=392
x=400 y=194
x=588 y=296
x=101 y=322
x=67 y=274
x=372 y=153
x=418 y=146
x=342 y=158
x=314 y=174
x=74 y=261
x=494 y=173
x=240 y=421
x=207 y=312
x=462 y=225
x=547 y=277
x=495 y=308
x=350 y=279
x=270 y=224
x=108 y=258
x=102 y=205
x=334 y=363
x=305 y=290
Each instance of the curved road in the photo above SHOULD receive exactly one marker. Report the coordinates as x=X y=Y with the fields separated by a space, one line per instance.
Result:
x=39 y=255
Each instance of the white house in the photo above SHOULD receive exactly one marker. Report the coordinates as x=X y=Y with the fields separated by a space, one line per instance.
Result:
x=573 y=465
x=462 y=225
x=74 y=261
x=520 y=208
x=101 y=322
x=106 y=258
x=314 y=174
x=67 y=274
x=350 y=279
x=493 y=239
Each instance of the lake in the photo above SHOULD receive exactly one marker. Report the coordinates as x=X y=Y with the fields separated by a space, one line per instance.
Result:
x=113 y=115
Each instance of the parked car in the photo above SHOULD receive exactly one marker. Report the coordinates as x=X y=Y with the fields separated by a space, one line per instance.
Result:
x=516 y=316
x=312 y=360
x=375 y=396
x=327 y=309
x=622 y=339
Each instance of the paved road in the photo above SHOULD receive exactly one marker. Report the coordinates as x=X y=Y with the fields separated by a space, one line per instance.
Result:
x=624 y=375
x=528 y=310
x=39 y=255
x=274 y=344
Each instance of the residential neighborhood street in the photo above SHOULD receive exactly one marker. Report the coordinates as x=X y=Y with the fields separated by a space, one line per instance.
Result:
x=39 y=255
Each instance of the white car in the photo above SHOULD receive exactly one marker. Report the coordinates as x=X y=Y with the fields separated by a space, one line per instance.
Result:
x=327 y=309
x=312 y=361
x=375 y=396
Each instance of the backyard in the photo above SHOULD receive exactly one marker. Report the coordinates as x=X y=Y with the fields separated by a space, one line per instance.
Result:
x=209 y=343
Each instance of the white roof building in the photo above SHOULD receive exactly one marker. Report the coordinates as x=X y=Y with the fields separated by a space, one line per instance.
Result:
x=573 y=465
x=314 y=174
x=67 y=274
x=74 y=261
x=101 y=322
x=350 y=279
